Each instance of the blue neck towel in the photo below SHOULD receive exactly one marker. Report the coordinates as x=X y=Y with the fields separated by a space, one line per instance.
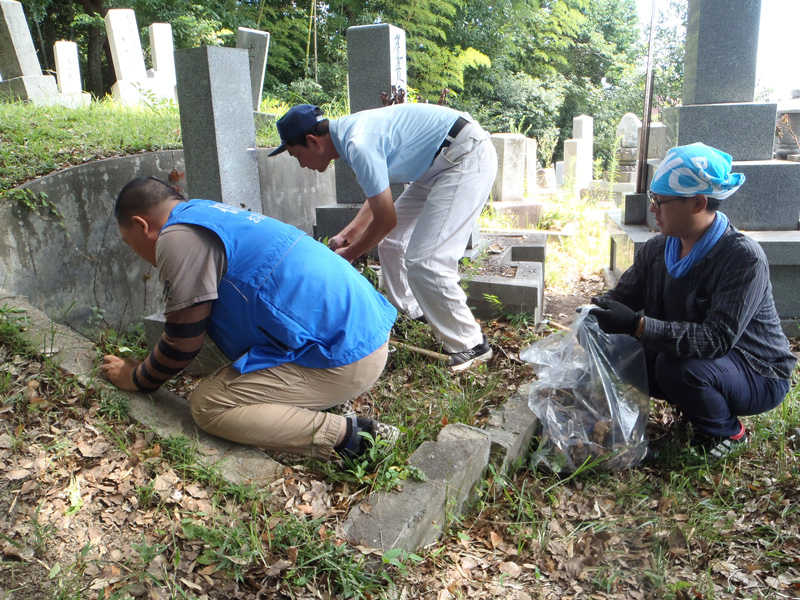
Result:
x=677 y=266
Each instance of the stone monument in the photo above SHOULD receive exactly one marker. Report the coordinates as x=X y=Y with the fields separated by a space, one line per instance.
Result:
x=718 y=110
x=133 y=86
x=162 y=50
x=19 y=66
x=579 y=154
x=68 y=75
x=376 y=64
x=257 y=45
x=219 y=136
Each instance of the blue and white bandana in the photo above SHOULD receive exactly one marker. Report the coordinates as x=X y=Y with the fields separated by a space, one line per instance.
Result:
x=696 y=169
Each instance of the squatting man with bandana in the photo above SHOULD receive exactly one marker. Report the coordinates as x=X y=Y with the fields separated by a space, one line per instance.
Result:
x=305 y=330
x=451 y=164
x=698 y=297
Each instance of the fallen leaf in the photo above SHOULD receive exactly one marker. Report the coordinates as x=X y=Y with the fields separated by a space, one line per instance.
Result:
x=495 y=539
x=510 y=568
x=574 y=567
x=17 y=474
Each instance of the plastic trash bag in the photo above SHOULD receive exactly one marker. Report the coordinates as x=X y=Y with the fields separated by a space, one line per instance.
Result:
x=590 y=397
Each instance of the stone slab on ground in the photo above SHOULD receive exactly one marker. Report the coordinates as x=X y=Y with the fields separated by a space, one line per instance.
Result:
x=417 y=515
x=511 y=428
x=166 y=413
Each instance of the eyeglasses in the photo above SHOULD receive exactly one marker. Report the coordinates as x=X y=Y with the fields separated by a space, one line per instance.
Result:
x=658 y=203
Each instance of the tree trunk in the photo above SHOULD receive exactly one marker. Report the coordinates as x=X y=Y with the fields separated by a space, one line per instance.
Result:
x=97 y=80
x=94 y=62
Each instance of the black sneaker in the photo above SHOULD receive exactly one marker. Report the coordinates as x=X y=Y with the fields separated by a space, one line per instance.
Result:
x=714 y=449
x=462 y=360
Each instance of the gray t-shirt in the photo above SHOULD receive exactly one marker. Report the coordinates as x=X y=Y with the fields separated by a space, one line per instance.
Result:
x=191 y=262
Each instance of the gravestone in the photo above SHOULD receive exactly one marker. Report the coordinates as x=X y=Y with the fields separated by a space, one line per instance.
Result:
x=68 y=74
x=257 y=45
x=719 y=82
x=508 y=190
x=579 y=154
x=627 y=151
x=509 y=185
x=531 y=167
x=376 y=64
x=719 y=86
x=162 y=51
x=22 y=77
x=219 y=136
x=133 y=86
x=720 y=62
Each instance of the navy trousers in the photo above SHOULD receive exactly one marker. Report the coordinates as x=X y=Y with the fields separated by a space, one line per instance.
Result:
x=713 y=393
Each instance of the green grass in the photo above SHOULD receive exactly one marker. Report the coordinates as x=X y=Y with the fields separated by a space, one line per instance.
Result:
x=37 y=140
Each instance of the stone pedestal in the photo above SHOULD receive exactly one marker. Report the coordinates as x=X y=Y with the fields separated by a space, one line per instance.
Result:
x=743 y=130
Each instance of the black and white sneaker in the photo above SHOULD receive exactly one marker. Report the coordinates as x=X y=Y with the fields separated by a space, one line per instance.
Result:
x=714 y=449
x=363 y=434
x=462 y=360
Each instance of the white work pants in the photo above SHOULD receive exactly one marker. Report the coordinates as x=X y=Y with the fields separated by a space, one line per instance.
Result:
x=435 y=217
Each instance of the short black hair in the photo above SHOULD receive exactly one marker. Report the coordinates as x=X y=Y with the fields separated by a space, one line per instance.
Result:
x=712 y=204
x=319 y=128
x=141 y=196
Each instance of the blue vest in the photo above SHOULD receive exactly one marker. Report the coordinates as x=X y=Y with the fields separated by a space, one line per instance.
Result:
x=285 y=297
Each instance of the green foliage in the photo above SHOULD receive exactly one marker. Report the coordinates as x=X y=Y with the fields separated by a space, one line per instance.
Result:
x=379 y=467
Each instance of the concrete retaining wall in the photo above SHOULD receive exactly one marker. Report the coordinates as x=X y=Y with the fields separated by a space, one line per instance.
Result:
x=75 y=267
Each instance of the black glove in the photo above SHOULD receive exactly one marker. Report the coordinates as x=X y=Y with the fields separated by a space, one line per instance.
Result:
x=615 y=317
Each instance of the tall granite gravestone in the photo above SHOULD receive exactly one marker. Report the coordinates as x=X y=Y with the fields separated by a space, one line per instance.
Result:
x=376 y=64
x=219 y=136
x=719 y=82
x=19 y=66
x=126 y=52
x=722 y=114
x=257 y=45
x=68 y=75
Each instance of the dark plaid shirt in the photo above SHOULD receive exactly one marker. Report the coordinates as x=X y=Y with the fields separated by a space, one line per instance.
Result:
x=727 y=305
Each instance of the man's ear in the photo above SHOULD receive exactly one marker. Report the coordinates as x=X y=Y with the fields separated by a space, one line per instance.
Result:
x=700 y=203
x=313 y=141
x=144 y=224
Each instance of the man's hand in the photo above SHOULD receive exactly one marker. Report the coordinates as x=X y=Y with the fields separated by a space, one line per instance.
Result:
x=119 y=371
x=337 y=242
x=615 y=317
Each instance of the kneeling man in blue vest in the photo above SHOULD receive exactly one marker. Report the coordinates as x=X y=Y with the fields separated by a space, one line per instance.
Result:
x=305 y=330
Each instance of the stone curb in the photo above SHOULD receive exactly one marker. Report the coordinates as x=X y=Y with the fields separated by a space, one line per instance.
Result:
x=453 y=465
x=166 y=413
